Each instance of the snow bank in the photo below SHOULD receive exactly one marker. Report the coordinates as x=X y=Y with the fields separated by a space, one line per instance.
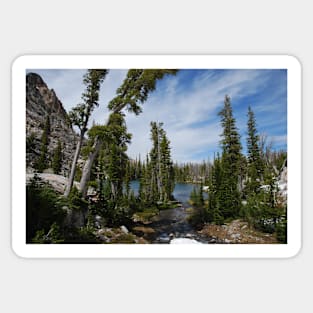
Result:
x=184 y=241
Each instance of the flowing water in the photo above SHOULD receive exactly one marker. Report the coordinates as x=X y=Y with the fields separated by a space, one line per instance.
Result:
x=173 y=223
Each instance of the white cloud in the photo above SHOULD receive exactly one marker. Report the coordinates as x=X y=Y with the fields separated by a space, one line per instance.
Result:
x=190 y=117
x=188 y=108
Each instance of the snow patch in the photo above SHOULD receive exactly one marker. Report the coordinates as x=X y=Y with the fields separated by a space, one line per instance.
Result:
x=184 y=241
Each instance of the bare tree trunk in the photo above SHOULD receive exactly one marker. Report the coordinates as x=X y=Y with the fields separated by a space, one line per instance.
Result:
x=88 y=165
x=73 y=169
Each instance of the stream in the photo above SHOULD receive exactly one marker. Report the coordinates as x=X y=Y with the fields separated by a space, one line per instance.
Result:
x=173 y=223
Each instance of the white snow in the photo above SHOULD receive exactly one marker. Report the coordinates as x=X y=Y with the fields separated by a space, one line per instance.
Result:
x=184 y=241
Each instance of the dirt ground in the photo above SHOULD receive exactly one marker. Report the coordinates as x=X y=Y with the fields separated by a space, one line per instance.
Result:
x=237 y=231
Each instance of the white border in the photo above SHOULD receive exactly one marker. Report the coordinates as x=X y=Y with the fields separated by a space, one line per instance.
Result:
x=155 y=250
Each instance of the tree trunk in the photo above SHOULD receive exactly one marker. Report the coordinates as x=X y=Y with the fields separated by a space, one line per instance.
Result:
x=88 y=165
x=73 y=169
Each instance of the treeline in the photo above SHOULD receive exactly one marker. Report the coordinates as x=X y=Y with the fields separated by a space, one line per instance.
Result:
x=183 y=172
x=244 y=186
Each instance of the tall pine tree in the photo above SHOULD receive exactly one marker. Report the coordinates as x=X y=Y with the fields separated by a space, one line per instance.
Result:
x=43 y=160
x=255 y=163
x=157 y=182
x=230 y=197
x=79 y=116
x=57 y=158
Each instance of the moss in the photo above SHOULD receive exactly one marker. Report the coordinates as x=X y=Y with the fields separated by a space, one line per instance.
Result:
x=189 y=210
x=124 y=238
x=146 y=215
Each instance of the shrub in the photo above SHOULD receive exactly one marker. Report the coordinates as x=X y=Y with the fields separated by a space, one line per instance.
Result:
x=42 y=209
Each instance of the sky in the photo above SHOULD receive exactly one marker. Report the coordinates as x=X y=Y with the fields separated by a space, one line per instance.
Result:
x=188 y=105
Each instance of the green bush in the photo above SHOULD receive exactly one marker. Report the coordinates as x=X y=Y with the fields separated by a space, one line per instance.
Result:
x=281 y=231
x=42 y=209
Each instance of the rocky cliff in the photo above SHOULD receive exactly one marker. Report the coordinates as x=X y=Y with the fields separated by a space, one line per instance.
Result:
x=40 y=103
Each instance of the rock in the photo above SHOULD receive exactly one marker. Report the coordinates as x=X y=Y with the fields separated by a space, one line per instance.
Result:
x=40 y=103
x=227 y=241
x=164 y=238
x=124 y=229
x=235 y=236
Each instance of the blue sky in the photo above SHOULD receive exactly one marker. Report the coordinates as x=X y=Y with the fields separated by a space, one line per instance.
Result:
x=188 y=104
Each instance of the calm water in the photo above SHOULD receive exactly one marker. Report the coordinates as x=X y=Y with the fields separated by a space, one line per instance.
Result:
x=181 y=192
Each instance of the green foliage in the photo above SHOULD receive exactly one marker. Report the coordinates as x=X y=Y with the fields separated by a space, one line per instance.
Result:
x=255 y=162
x=229 y=196
x=136 y=88
x=157 y=182
x=196 y=197
x=281 y=231
x=79 y=115
x=83 y=235
x=43 y=160
x=42 y=209
x=30 y=143
x=78 y=173
x=57 y=159
x=75 y=201
x=113 y=160
x=192 y=172
x=53 y=236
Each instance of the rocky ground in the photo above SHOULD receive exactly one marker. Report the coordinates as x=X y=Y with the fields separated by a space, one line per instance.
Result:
x=236 y=231
x=118 y=235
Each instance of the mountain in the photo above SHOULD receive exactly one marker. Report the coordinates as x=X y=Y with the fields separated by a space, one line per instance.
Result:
x=40 y=103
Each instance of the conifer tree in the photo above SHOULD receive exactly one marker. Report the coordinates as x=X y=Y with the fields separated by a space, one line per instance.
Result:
x=113 y=157
x=133 y=92
x=255 y=163
x=79 y=116
x=214 y=210
x=43 y=161
x=57 y=159
x=230 y=198
x=157 y=183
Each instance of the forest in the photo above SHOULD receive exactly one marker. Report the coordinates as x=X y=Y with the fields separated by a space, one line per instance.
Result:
x=110 y=198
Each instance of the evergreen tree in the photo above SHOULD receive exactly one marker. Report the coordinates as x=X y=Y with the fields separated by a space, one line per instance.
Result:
x=43 y=161
x=157 y=182
x=57 y=158
x=214 y=210
x=255 y=164
x=133 y=92
x=114 y=155
x=79 y=116
x=167 y=170
x=230 y=198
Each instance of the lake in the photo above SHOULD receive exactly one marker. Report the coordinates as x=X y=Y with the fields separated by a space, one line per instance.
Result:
x=181 y=192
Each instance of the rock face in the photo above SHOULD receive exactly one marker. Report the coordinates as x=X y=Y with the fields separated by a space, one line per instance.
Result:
x=40 y=103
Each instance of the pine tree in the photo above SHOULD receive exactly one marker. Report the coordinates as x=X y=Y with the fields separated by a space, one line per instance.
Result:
x=214 y=210
x=43 y=161
x=57 y=158
x=115 y=159
x=79 y=116
x=230 y=198
x=133 y=92
x=255 y=164
x=167 y=170
x=157 y=182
